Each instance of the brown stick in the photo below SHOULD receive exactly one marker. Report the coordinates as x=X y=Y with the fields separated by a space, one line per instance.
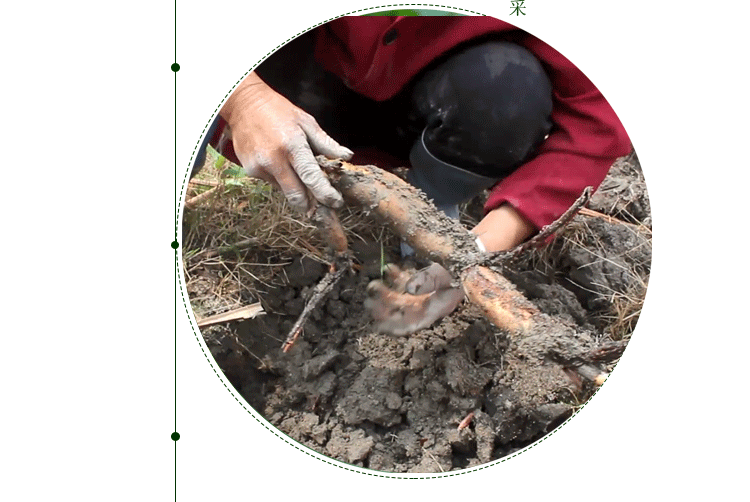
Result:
x=466 y=421
x=320 y=291
x=592 y=373
x=194 y=201
x=556 y=225
x=611 y=219
x=500 y=257
x=208 y=183
x=328 y=223
x=607 y=352
x=406 y=210
x=498 y=299
x=240 y=314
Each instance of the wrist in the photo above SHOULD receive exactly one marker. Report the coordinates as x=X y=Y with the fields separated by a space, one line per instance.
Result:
x=250 y=90
x=503 y=228
x=480 y=245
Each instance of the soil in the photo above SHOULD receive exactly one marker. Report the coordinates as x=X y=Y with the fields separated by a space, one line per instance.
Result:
x=394 y=404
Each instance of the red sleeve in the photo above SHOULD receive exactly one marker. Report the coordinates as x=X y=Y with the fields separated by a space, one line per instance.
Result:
x=586 y=137
x=357 y=49
x=585 y=140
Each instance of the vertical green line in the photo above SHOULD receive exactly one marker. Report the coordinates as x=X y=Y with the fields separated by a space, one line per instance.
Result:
x=176 y=258
x=177 y=209
x=175 y=340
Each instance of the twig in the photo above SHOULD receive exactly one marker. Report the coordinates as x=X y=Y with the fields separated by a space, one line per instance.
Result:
x=433 y=458
x=592 y=373
x=237 y=246
x=329 y=225
x=584 y=211
x=607 y=352
x=320 y=291
x=192 y=202
x=501 y=257
x=553 y=227
x=240 y=314
x=466 y=421
x=243 y=348
x=208 y=183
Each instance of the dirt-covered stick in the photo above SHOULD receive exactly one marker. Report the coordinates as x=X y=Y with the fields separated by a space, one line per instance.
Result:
x=436 y=236
x=556 y=225
x=320 y=291
x=242 y=313
x=501 y=304
x=328 y=223
x=444 y=240
x=405 y=209
x=508 y=309
x=544 y=233
x=592 y=373
x=194 y=201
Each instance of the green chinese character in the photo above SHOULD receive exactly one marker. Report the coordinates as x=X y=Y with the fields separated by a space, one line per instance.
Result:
x=518 y=7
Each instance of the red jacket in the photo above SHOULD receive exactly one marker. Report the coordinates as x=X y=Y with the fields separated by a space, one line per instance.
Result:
x=378 y=56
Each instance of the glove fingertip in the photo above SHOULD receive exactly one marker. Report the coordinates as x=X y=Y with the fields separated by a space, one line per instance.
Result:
x=346 y=154
x=336 y=201
x=298 y=201
x=333 y=200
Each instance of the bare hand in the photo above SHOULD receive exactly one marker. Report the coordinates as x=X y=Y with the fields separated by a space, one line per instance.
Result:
x=274 y=140
x=413 y=301
x=503 y=228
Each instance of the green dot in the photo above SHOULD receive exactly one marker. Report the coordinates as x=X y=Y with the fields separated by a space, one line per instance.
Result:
x=175 y=244
x=175 y=67
x=175 y=436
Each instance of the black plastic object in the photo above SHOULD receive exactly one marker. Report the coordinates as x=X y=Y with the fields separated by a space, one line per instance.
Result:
x=444 y=183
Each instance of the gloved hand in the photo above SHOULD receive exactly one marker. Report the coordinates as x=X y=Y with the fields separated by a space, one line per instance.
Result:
x=275 y=141
x=413 y=300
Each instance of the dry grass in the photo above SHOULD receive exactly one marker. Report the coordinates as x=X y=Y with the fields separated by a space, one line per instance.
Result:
x=238 y=239
x=626 y=309
x=625 y=300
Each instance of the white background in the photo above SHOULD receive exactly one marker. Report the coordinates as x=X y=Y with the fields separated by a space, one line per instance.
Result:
x=87 y=360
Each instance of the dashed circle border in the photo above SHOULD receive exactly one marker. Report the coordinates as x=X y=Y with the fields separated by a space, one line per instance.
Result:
x=198 y=336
